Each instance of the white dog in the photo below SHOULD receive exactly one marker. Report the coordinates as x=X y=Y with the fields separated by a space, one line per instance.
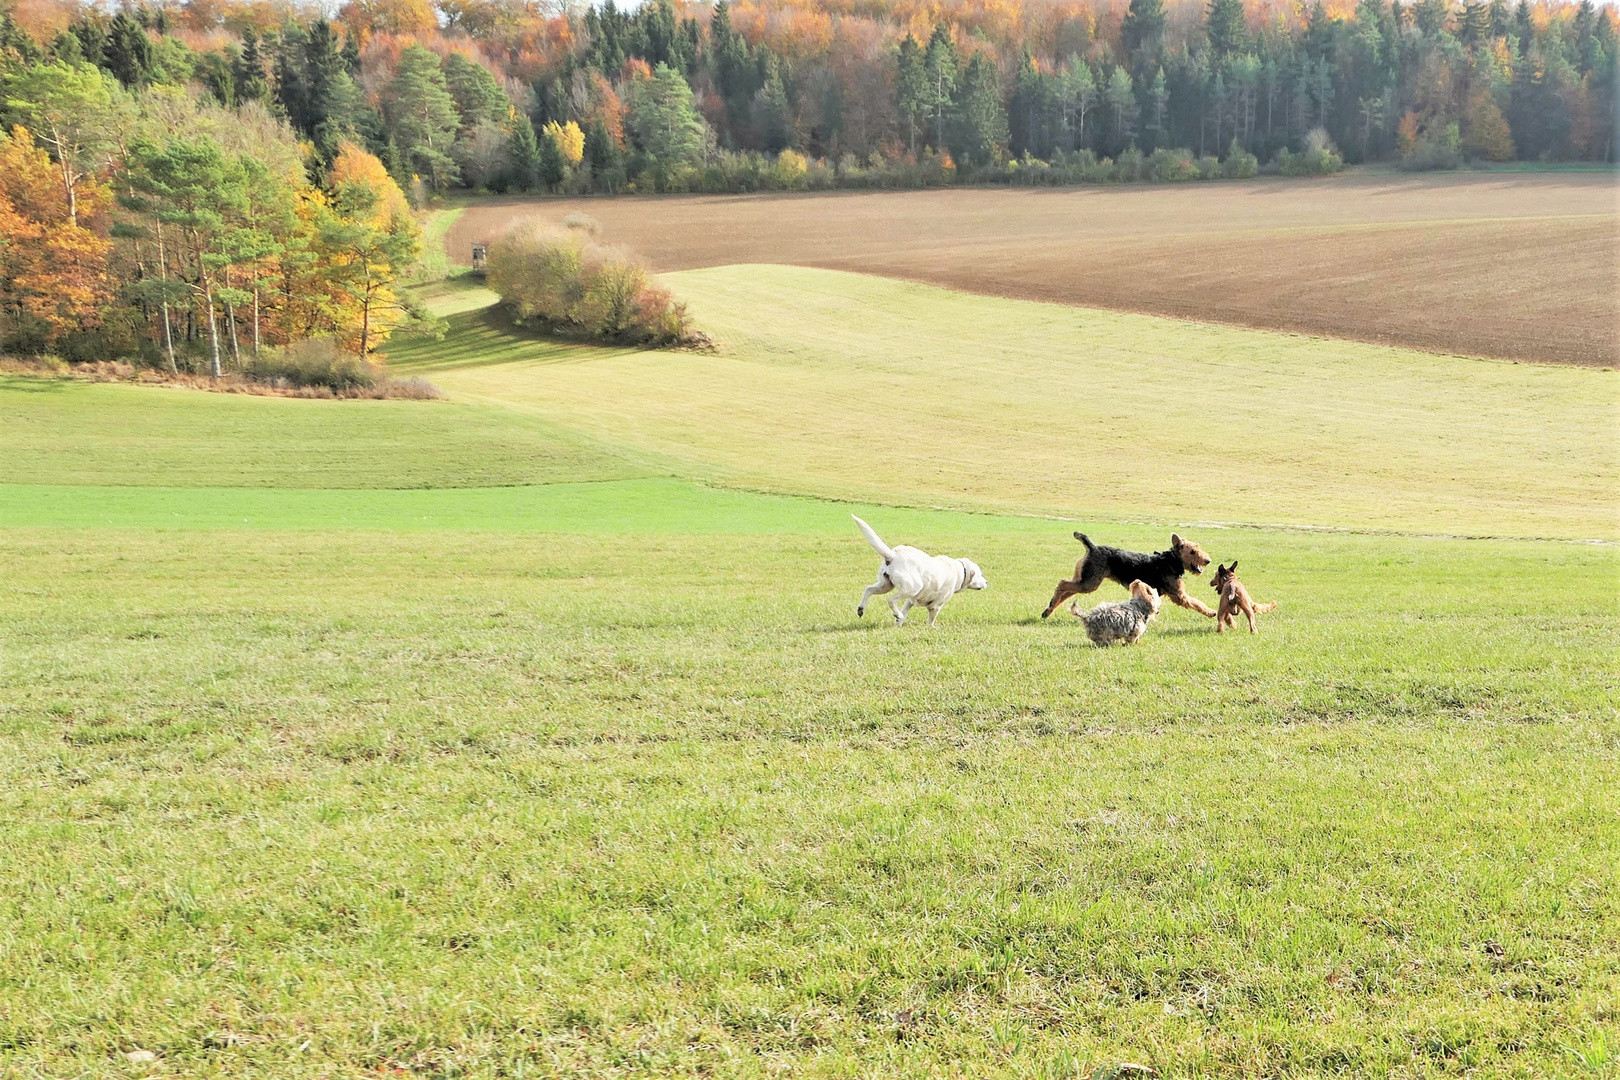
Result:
x=917 y=577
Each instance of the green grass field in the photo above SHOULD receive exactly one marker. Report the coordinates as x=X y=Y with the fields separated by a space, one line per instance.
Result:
x=348 y=739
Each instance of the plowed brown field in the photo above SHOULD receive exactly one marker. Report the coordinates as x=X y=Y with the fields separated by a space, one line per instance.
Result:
x=1523 y=266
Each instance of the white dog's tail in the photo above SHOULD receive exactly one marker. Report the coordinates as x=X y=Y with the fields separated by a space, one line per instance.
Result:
x=875 y=540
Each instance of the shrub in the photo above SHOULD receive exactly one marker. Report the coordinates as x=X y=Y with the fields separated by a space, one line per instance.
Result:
x=565 y=283
x=1239 y=163
x=1433 y=150
x=792 y=170
x=315 y=362
x=1172 y=166
x=1319 y=157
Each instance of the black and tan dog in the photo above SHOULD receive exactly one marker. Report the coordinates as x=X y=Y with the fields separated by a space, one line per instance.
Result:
x=1162 y=570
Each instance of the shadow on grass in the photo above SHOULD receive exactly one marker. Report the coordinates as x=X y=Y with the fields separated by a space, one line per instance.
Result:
x=34 y=384
x=487 y=337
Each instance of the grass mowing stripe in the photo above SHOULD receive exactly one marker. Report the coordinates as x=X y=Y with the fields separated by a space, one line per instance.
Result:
x=622 y=506
x=56 y=431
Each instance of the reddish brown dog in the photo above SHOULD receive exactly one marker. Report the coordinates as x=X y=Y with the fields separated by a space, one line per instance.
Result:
x=1235 y=598
x=1161 y=570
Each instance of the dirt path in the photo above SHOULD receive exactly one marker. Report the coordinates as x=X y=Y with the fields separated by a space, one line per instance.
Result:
x=1522 y=266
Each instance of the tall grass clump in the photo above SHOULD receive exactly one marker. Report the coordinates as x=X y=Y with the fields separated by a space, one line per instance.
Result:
x=564 y=282
x=317 y=367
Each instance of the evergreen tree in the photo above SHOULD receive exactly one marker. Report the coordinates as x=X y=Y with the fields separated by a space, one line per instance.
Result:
x=423 y=117
x=552 y=167
x=665 y=123
x=1500 y=19
x=1158 y=95
x=249 y=69
x=1141 y=35
x=940 y=65
x=477 y=95
x=525 y=152
x=772 y=112
x=1120 y=98
x=603 y=155
x=981 y=125
x=1023 y=110
x=911 y=89
x=15 y=44
x=127 y=52
x=1227 y=29
x=1079 y=96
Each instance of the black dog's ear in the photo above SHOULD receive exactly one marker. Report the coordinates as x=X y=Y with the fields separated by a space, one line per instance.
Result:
x=1233 y=567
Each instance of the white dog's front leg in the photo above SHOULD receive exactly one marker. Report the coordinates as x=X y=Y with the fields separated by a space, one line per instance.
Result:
x=933 y=613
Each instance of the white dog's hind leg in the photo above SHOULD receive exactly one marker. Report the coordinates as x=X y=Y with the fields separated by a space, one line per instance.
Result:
x=900 y=612
x=877 y=588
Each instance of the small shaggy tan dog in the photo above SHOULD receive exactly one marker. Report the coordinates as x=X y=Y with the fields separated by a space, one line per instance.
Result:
x=1124 y=622
x=1235 y=598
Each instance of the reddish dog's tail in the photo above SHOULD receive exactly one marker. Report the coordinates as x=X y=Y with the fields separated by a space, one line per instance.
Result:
x=1269 y=605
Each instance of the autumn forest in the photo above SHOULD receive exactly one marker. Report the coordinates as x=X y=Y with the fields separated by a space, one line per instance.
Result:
x=192 y=184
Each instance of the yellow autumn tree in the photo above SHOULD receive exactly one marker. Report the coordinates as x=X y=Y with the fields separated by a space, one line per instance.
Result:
x=569 y=139
x=367 y=239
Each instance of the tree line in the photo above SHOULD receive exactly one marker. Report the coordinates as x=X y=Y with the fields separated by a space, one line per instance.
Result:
x=140 y=219
x=515 y=95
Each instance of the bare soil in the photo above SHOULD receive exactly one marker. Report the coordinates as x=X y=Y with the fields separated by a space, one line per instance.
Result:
x=1519 y=266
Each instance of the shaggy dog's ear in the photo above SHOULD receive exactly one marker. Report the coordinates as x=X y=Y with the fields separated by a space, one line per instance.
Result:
x=1175 y=542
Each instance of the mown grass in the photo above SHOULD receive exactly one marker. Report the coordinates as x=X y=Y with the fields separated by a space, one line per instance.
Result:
x=323 y=802
x=56 y=431
x=303 y=776
x=849 y=386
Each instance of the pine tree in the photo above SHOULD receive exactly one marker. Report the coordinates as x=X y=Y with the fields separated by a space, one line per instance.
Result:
x=1023 y=111
x=1228 y=31
x=1079 y=95
x=981 y=125
x=249 y=69
x=477 y=95
x=940 y=66
x=772 y=112
x=911 y=89
x=1141 y=35
x=1120 y=98
x=664 y=121
x=525 y=151
x=552 y=168
x=127 y=53
x=605 y=159
x=423 y=117
x=1159 y=94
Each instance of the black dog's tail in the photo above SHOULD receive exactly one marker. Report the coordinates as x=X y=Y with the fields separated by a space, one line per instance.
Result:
x=1086 y=540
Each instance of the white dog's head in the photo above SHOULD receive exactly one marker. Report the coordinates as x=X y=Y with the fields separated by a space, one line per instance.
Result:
x=974 y=578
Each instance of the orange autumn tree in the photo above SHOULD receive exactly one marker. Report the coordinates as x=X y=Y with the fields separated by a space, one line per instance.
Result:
x=53 y=268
